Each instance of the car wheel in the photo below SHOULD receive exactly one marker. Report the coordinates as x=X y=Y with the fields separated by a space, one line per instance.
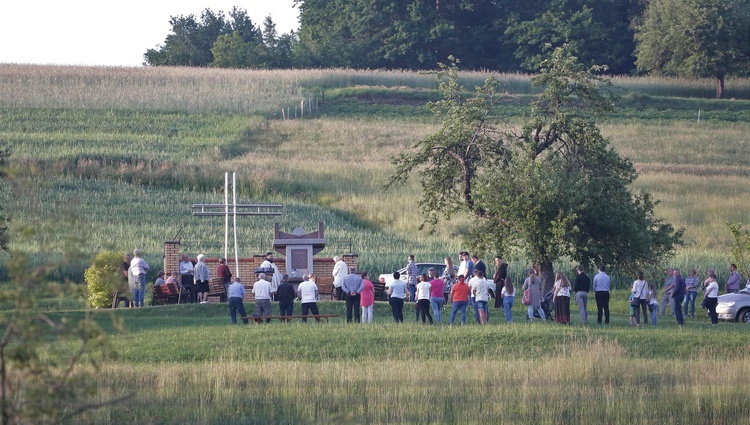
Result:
x=744 y=316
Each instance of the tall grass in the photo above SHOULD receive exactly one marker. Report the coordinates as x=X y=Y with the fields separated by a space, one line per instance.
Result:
x=188 y=364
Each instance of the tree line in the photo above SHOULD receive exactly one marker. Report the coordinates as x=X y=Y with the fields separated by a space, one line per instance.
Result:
x=693 y=38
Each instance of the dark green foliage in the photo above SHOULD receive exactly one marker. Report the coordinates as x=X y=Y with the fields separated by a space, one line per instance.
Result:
x=695 y=38
x=221 y=41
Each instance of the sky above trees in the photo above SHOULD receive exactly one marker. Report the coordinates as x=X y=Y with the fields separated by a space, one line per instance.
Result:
x=89 y=32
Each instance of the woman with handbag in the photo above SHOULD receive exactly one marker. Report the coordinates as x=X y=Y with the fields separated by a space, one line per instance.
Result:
x=712 y=298
x=641 y=297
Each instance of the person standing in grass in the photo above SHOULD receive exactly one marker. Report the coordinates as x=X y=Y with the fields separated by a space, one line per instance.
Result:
x=640 y=292
x=534 y=285
x=481 y=295
x=224 y=273
x=448 y=277
x=187 y=278
x=561 y=298
x=423 y=297
x=236 y=293
x=602 y=286
x=679 y=296
x=733 y=283
x=653 y=304
x=396 y=293
x=437 y=300
x=459 y=299
x=339 y=274
x=712 y=298
x=691 y=293
x=352 y=288
x=138 y=267
x=308 y=295
x=286 y=295
x=367 y=298
x=202 y=276
x=499 y=278
x=412 y=275
x=667 y=294
x=263 y=294
x=581 y=289
x=508 y=296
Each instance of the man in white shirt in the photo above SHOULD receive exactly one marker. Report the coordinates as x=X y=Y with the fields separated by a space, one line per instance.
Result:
x=339 y=274
x=263 y=294
x=186 y=277
x=396 y=293
x=307 y=291
x=236 y=294
x=481 y=295
x=138 y=268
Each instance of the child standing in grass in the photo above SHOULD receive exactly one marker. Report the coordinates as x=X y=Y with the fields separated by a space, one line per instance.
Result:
x=632 y=309
x=653 y=304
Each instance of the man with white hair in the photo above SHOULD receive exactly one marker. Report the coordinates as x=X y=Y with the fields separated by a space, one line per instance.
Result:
x=276 y=277
x=138 y=267
x=202 y=276
x=263 y=294
x=339 y=274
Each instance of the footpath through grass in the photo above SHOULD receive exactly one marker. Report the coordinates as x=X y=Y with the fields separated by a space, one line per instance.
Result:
x=189 y=364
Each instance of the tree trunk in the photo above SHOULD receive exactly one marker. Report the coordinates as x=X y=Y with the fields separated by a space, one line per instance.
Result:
x=719 y=86
x=547 y=274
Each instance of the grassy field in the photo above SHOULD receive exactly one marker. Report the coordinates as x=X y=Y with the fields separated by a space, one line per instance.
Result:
x=188 y=364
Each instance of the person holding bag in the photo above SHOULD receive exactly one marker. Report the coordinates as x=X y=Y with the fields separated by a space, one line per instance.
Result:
x=641 y=297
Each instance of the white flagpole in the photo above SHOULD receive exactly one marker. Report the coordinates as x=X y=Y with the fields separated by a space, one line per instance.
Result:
x=236 y=259
x=226 y=214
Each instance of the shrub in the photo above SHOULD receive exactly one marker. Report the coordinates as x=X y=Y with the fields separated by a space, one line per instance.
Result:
x=103 y=278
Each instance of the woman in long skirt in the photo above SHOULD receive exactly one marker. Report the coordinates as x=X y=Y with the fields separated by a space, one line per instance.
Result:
x=561 y=299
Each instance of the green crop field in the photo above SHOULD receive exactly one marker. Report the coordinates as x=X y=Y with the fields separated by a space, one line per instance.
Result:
x=114 y=158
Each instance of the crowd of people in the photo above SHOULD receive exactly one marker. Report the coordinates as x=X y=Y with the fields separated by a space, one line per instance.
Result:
x=464 y=286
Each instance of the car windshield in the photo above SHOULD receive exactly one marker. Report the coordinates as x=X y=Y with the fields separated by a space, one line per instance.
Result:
x=423 y=269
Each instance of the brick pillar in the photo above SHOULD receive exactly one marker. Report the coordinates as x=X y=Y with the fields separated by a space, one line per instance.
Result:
x=171 y=257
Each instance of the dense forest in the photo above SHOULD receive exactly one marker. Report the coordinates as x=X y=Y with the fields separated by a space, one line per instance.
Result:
x=703 y=38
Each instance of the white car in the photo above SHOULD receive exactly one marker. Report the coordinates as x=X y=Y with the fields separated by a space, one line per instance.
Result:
x=387 y=278
x=735 y=307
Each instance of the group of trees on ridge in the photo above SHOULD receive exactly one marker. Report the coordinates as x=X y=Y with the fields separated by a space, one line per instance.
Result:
x=693 y=38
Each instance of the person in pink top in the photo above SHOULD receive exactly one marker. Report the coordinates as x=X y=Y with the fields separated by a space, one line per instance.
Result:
x=436 y=294
x=367 y=299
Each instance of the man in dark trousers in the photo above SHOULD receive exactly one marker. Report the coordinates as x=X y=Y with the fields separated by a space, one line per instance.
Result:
x=581 y=289
x=679 y=296
x=352 y=287
x=286 y=295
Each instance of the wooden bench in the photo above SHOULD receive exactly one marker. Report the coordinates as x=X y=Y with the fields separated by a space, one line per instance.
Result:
x=167 y=293
x=216 y=289
x=290 y=318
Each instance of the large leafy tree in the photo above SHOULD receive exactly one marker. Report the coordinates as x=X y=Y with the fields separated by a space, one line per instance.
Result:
x=597 y=31
x=695 y=38
x=554 y=189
